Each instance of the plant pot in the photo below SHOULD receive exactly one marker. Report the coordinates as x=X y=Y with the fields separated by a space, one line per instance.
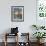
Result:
x=40 y=41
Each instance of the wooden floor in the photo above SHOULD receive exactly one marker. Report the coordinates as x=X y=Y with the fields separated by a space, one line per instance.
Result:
x=13 y=44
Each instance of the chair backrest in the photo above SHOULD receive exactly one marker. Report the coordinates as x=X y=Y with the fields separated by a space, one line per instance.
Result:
x=24 y=37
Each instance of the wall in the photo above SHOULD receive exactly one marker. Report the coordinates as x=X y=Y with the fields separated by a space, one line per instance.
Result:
x=29 y=15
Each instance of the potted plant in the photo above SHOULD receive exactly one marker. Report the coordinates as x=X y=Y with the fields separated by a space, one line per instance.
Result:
x=38 y=27
x=35 y=26
x=39 y=35
x=42 y=27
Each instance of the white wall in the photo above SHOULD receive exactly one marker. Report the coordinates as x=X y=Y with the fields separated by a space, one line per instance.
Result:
x=29 y=15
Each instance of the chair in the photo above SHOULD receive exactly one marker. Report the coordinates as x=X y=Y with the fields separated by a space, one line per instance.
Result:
x=14 y=32
x=26 y=41
x=8 y=35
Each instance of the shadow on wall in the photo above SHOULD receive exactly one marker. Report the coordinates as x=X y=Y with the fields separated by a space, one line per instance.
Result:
x=32 y=30
x=8 y=30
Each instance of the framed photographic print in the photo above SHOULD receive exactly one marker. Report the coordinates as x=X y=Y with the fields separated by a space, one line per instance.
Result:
x=17 y=13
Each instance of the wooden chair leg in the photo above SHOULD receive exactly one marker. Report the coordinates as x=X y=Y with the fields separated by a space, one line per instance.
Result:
x=17 y=40
x=5 y=43
x=5 y=39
